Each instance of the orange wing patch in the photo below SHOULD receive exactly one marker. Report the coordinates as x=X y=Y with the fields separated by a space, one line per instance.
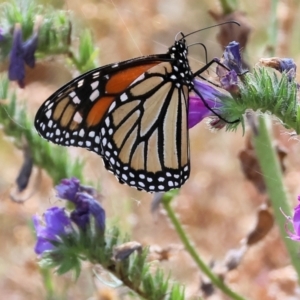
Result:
x=122 y=79
x=98 y=110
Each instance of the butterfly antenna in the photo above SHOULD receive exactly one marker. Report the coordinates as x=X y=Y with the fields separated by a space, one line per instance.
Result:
x=220 y=24
x=204 y=47
x=180 y=32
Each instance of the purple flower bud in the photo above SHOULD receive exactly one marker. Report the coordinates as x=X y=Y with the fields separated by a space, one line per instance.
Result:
x=286 y=65
x=199 y=108
x=86 y=206
x=232 y=58
x=16 y=69
x=57 y=224
x=20 y=54
x=68 y=188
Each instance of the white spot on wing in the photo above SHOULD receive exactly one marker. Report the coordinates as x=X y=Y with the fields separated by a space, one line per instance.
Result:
x=95 y=94
x=77 y=117
x=76 y=100
x=81 y=132
x=113 y=105
x=49 y=113
x=92 y=134
x=96 y=74
x=50 y=105
x=123 y=97
x=94 y=84
x=80 y=83
x=72 y=94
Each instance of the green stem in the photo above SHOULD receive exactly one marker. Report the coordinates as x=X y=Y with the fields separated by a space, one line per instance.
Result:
x=48 y=283
x=273 y=178
x=191 y=250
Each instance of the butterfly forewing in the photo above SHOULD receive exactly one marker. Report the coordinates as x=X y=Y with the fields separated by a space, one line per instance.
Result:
x=133 y=114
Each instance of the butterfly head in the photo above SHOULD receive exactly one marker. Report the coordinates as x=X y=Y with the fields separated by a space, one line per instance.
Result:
x=182 y=73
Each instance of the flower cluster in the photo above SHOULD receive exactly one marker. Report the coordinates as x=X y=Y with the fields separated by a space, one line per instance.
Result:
x=21 y=53
x=85 y=203
x=59 y=225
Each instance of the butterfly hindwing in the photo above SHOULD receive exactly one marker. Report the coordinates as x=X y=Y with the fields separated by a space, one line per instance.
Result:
x=144 y=135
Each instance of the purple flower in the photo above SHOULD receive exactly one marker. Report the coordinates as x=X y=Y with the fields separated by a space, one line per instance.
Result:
x=229 y=82
x=233 y=62
x=21 y=53
x=56 y=224
x=232 y=58
x=210 y=101
x=234 y=66
x=85 y=203
x=295 y=221
x=68 y=188
x=86 y=206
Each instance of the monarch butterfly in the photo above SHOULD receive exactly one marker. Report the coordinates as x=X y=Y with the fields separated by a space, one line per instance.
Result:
x=133 y=114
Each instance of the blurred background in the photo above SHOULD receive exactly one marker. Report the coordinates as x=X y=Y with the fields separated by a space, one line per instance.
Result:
x=217 y=205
